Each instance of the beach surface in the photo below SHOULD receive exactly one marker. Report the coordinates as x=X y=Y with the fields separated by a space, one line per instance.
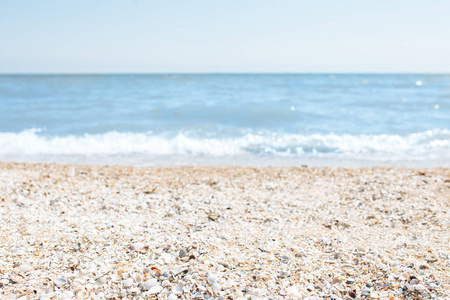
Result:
x=108 y=232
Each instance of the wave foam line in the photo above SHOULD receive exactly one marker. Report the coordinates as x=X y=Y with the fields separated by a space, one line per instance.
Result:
x=30 y=142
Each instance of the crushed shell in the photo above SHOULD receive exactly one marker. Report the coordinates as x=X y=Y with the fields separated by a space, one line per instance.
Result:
x=92 y=232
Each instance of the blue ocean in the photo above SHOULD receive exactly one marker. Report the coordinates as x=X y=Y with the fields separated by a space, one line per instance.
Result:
x=226 y=119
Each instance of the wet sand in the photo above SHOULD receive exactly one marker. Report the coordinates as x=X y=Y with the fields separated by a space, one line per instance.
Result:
x=70 y=231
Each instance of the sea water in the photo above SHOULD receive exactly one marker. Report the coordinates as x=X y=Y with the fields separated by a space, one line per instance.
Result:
x=226 y=119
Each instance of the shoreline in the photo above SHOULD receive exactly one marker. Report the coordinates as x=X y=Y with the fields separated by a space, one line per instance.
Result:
x=179 y=232
x=226 y=161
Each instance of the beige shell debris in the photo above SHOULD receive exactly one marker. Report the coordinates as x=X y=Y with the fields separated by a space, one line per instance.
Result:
x=92 y=232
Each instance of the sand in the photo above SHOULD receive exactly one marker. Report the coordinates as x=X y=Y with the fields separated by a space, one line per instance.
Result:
x=74 y=232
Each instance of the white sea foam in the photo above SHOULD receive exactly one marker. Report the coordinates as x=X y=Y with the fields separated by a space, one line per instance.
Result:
x=432 y=144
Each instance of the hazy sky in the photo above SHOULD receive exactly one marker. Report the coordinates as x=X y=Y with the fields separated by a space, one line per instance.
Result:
x=224 y=36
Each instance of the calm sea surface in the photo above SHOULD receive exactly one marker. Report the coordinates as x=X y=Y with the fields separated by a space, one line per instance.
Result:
x=215 y=119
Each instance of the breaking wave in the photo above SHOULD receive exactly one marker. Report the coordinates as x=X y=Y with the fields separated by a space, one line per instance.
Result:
x=421 y=145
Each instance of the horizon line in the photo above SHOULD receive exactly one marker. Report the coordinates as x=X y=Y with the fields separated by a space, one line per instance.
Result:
x=218 y=73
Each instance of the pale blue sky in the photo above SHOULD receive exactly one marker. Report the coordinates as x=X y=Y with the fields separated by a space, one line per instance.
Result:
x=101 y=36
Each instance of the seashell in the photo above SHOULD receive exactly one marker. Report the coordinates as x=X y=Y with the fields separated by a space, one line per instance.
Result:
x=336 y=280
x=114 y=277
x=83 y=294
x=210 y=290
x=59 y=282
x=25 y=291
x=78 y=290
x=176 y=271
x=157 y=271
x=69 y=294
x=73 y=262
x=350 y=281
x=375 y=295
x=121 y=271
x=16 y=278
x=431 y=259
x=149 y=284
x=24 y=268
x=167 y=258
x=172 y=297
x=4 y=282
x=340 y=287
x=165 y=283
x=420 y=288
x=140 y=247
x=134 y=290
x=211 y=280
x=101 y=280
x=177 y=289
x=155 y=290
x=216 y=287
x=128 y=282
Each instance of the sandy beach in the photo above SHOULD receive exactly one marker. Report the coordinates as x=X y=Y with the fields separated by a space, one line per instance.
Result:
x=94 y=232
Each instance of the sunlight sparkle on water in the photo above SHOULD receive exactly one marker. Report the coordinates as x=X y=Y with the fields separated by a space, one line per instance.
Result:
x=419 y=83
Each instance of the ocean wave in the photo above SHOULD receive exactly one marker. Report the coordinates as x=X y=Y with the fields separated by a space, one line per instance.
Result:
x=33 y=142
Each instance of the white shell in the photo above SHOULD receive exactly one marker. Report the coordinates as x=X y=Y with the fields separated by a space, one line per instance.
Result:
x=155 y=290
x=128 y=282
x=60 y=282
x=177 y=289
x=149 y=284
